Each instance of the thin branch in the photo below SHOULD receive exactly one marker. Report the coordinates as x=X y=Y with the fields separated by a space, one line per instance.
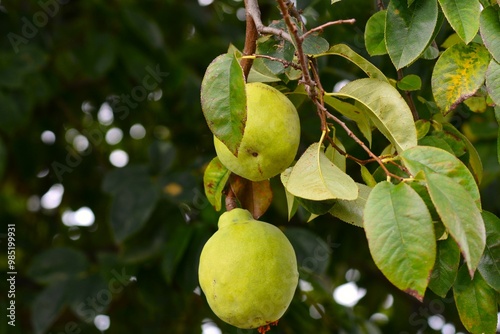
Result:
x=321 y=111
x=347 y=155
x=285 y=63
x=295 y=13
x=303 y=61
x=250 y=43
x=323 y=26
x=252 y=8
x=380 y=4
x=360 y=143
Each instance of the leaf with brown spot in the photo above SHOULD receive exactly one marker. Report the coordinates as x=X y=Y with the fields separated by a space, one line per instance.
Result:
x=214 y=181
x=256 y=197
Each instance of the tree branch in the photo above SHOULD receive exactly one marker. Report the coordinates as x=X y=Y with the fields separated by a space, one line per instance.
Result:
x=252 y=9
x=285 y=63
x=303 y=61
x=360 y=143
x=250 y=42
x=323 y=26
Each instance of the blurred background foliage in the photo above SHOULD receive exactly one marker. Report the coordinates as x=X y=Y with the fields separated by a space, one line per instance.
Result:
x=102 y=149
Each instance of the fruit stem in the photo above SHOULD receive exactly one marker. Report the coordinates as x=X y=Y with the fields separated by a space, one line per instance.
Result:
x=231 y=200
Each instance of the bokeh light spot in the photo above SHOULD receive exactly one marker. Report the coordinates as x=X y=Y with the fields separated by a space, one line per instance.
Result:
x=48 y=137
x=118 y=158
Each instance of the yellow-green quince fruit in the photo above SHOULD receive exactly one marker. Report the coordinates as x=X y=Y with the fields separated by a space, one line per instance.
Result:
x=248 y=271
x=271 y=136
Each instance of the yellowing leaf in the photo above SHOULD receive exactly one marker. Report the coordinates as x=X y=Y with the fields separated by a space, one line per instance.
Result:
x=386 y=108
x=352 y=211
x=458 y=74
x=316 y=178
x=214 y=180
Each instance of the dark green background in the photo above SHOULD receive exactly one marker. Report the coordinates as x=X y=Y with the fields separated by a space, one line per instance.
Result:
x=89 y=51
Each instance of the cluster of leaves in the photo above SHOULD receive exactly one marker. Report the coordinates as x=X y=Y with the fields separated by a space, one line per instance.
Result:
x=137 y=263
x=421 y=208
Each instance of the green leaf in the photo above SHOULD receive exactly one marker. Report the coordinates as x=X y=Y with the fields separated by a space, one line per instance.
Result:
x=12 y=115
x=345 y=51
x=313 y=45
x=489 y=267
x=410 y=82
x=88 y=287
x=423 y=127
x=435 y=141
x=461 y=217
x=375 y=34
x=144 y=27
x=146 y=245
x=135 y=197
x=48 y=305
x=430 y=53
x=316 y=207
x=353 y=112
x=454 y=138
x=316 y=178
x=474 y=164
x=409 y=30
x=162 y=156
x=113 y=180
x=386 y=108
x=313 y=253
x=335 y=156
x=490 y=30
x=463 y=16
x=260 y=73
x=493 y=81
x=476 y=303
x=214 y=181
x=57 y=264
x=446 y=267
x=458 y=74
x=223 y=100
x=431 y=159
x=367 y=176
x=291 y=201
x=273 y=47
x=132 y=207
x=400 y=236
x=352 y=211
x=177 y=243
